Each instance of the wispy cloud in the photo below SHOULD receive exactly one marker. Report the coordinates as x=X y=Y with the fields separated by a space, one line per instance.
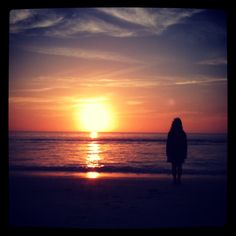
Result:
x=123 y=80
x=51 y=104
x=23 y=20
x=120 y=83
x=78 y=22
x=44 y=89
x=138 y=16
x=20 y=15
x=152 y=82
x=110 y=75
x=214 y=62
x=90 y=26
x=210 y=80
x=49 y=100
x=81 y=53
x=61 y=25
x=153 y=20
x=18 y=99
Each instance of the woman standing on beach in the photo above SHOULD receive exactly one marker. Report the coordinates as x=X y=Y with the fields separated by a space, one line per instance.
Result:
x=176 y=148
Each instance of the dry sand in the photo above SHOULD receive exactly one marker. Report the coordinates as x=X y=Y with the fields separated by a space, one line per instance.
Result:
x=116 y=201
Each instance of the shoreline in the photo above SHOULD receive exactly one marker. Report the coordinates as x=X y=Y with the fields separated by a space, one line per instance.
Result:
x=112 y=200
x=109 y=174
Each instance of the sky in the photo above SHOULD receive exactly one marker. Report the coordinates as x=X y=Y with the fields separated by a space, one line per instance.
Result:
x=117 y=69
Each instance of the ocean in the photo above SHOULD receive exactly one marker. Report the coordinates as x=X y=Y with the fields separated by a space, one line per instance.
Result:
x=113 y=152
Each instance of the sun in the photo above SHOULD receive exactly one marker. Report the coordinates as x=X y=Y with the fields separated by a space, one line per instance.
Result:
x=93 y=134
x=94 y=117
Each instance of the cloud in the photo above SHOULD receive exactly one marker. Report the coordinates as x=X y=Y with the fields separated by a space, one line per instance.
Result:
x=89 y=26
x=126 y=22
x=145 y=82
x=110 y=75
x=214 y=62
x=138 y=16
x=120 y=83
x=40 y=103
x=125 y=81
x=58 y=24
x=58 y=100
x=19 y=15
x=81 y=53
x=18 y=99
x=213 y=80
x=35 y=90
x=23 y=20
x=154 y=21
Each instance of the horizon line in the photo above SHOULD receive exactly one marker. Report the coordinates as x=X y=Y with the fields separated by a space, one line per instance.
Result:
x=154 y=132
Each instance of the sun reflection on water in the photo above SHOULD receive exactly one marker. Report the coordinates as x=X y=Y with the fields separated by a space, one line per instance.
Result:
x=93 y=158
x=92 y=175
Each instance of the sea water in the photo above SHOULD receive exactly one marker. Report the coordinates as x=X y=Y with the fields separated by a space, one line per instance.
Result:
x=113 y=152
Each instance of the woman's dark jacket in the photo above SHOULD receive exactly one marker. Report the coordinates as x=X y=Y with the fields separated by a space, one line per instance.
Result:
x=176 y=147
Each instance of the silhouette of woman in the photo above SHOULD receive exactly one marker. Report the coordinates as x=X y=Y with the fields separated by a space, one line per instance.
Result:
x=176 y=149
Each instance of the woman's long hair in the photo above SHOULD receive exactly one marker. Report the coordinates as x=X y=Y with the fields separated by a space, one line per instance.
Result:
x=176 y=125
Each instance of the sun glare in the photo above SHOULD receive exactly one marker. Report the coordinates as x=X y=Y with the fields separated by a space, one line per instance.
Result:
x=94 y=117
x=93 y=135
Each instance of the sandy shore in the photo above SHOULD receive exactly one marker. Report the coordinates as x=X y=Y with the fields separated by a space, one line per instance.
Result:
x=116 y=201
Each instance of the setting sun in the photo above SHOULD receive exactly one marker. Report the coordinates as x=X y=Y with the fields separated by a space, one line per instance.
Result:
x=95 y=117
x=93 y=135
x=122 y=85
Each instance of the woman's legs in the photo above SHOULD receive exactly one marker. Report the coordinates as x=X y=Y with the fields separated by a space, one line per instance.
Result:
x=177 y=172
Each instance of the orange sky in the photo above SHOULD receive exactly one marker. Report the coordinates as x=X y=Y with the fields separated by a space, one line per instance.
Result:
x=70 y=68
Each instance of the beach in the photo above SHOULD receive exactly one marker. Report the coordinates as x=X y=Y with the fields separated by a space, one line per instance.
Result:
x=115 y=200
x=104 y=105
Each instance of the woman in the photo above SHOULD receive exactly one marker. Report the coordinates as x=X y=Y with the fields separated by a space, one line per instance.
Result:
x=176 y=149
